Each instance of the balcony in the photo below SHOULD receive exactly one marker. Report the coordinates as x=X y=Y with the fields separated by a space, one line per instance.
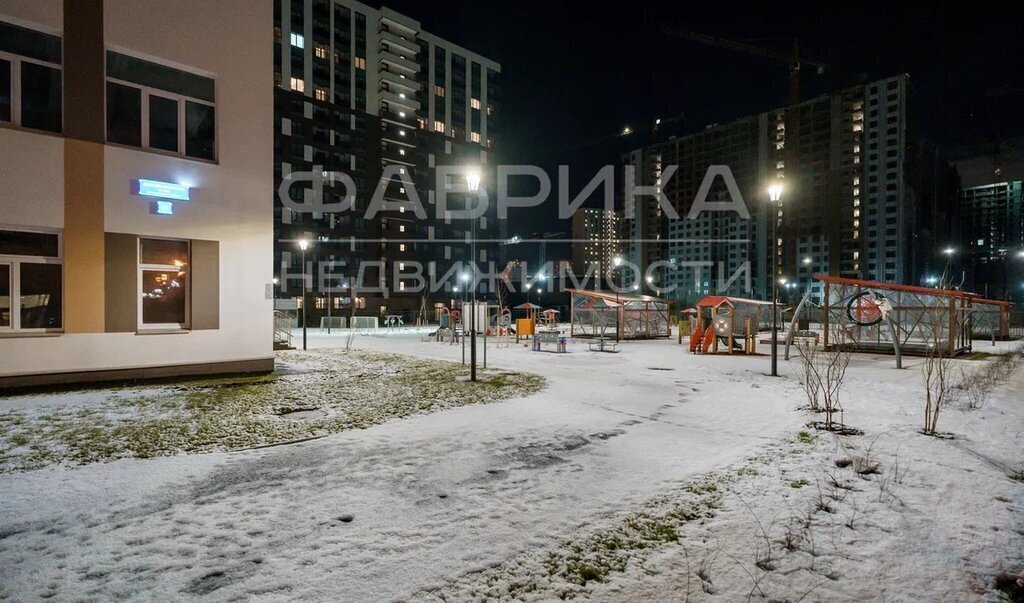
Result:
x=392 y=153
x=407 y=45
x=400 y=99
x=396 y=63
x=403 y=84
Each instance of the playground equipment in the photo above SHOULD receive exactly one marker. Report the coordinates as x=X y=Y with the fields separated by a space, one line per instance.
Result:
x=724 y=321
x=526 y=327
x=549 y=318
x=633 y=316
x=917 y=319
x=500 y=326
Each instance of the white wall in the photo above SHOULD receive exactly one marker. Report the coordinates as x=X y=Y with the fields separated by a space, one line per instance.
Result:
x=31 y=179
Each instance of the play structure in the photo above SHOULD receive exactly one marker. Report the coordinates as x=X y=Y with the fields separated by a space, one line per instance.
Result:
x=871 y=316
x=724 y=324
x=624 y=316
x=526 y=326
x=549 y=338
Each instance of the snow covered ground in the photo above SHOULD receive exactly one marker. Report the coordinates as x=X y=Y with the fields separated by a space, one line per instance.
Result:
x=650 y=474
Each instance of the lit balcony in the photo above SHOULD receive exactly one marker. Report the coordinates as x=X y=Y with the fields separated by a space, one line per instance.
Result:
x=400 y=99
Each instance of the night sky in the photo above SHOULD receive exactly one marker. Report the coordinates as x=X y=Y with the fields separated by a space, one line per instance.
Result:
x=575 y=74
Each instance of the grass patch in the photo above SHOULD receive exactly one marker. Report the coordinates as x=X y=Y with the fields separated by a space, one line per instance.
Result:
x=805 y=437
x=351 y=390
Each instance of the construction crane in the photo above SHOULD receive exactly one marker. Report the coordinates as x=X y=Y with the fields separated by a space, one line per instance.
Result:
x=793 y=59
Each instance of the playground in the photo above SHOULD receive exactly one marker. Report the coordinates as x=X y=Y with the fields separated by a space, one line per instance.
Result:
x=624 y=462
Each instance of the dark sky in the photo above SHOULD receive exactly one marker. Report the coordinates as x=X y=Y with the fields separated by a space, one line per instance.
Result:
x=575 y=73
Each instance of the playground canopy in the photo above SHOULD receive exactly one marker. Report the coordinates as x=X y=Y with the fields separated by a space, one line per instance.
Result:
x=598 y=314
x=737 y=309
x=858 y=312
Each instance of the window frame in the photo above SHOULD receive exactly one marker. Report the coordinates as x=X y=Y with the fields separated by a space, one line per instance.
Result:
x=181 y=99
x=141 y=268
x=14 y=263
x=16 y=113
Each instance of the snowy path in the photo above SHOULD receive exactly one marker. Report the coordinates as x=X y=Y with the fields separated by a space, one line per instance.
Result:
x=430 y=497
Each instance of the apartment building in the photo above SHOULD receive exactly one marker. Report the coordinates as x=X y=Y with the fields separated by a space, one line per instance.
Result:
x=992 y=238
x=595 y=241
x=135 y=237
x=864 y=196
x=368 y=92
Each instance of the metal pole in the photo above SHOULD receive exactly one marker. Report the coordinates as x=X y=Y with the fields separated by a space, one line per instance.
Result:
x=328 y=309
x=472 y=342
x=775 y=292
x=305 y=305
x=618 y=309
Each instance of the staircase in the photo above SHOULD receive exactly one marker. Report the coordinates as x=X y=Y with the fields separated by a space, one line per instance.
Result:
x=282 y=331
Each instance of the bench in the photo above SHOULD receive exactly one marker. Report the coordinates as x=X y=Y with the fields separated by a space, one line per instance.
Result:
x=603 y=344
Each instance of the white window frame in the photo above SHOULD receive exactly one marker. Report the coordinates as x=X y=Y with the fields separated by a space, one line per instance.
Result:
x=141 y=268
x=146 y=92
x=14 y=263
x=16 y=60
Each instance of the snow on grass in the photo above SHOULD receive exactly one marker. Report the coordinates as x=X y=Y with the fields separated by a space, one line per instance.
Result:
x=316 y=393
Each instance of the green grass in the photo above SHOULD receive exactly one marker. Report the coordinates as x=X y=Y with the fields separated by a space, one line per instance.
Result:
x=351 y=390
x=805 y=437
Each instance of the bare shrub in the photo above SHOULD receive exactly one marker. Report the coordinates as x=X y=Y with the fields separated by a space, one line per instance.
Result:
x=938 y=364
x=824 y=370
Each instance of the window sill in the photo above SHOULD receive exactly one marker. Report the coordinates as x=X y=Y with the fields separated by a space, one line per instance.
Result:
x=26 y=334
x=161 y=153
x=163 y=332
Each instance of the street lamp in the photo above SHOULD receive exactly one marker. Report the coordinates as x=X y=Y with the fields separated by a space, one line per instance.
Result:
x=617 y=263
x=473 y=181
x=303 y=245
x=774 y=194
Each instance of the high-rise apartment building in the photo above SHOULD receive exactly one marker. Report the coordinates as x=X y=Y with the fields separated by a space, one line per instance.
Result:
x=595 y=241
x=992 y=238
x=366 y=92
x=863 y=196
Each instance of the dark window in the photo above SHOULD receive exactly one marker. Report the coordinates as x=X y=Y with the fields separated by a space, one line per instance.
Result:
x=124 y=115
x=16 y=242
x=163 y=123
x=5 y=295
x=161 y=251
x=41 y=296
x=163 y=297
x=199 y=130
x=5 y=90
x=153 y=75
x=29 y=43
x=41 y=97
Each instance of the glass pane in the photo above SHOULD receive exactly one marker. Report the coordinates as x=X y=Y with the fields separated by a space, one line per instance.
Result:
x=168 y=253
x=16 y=242
x=40 y=97
x=163 y=297
x=163 y=123
x=5 y=295
x=41 y=296
x=161 y=77
x=30 y=43
x=5 y=90
x=124 y=115
x=199 y=129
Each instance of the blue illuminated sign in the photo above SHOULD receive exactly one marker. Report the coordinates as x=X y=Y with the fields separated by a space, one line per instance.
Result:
x=163 y=190
x=164 y=208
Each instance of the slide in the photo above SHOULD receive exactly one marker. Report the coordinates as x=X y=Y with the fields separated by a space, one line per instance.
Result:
x=695 y=338
x=709 y=337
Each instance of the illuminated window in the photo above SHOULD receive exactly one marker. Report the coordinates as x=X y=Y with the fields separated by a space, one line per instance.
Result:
x=439 y=126
x=474 y=103
x=360 y=63
x=439 y=90
x=401 y=228
x=401 y=246
x=298 y=85
x=474 y=136
x=298 y=41
x=321 y=51
x=163 y=283
x=321 y=94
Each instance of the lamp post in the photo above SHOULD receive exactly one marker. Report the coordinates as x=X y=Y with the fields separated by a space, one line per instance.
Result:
x=473 y=180
x=303 y=245
x=616 y=265
x=774 y=194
